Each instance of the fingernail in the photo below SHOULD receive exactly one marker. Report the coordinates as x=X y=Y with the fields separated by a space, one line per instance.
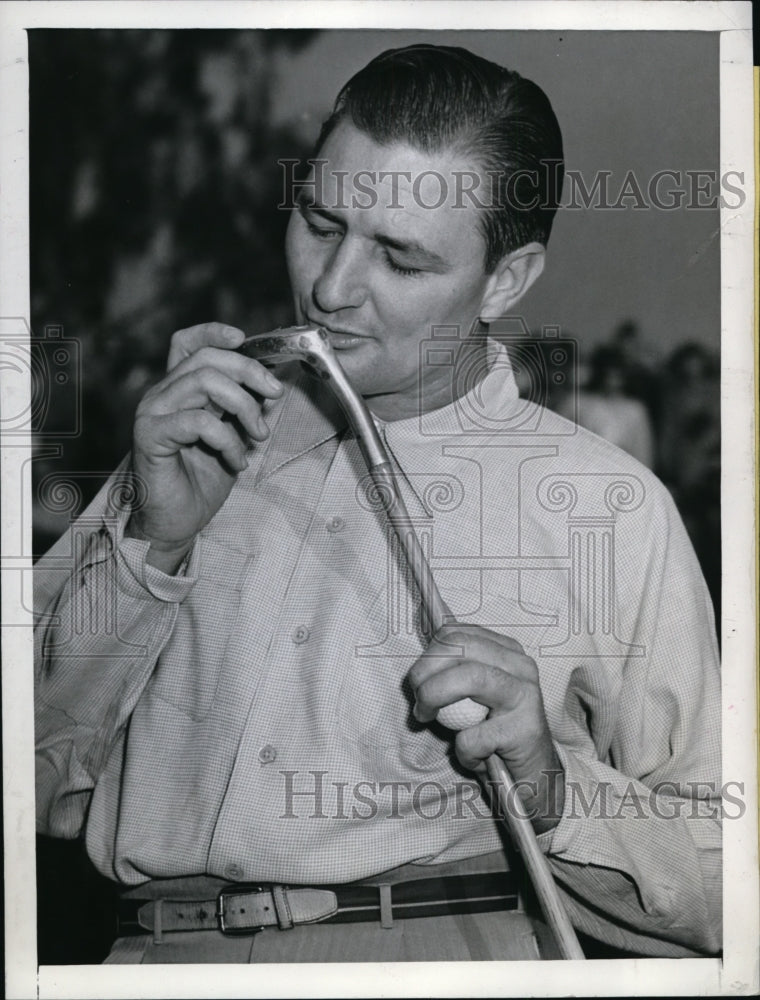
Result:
x=263 y=427
x=272 y=382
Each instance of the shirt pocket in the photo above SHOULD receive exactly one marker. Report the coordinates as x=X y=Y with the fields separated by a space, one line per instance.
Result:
x=187 y=673
x=375 y=702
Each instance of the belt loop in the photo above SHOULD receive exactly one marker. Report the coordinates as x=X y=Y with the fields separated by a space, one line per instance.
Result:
x=386 y=906
x=282 y=907
x=158 y=930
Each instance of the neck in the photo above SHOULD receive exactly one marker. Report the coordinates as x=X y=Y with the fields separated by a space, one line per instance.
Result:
x=441 y=385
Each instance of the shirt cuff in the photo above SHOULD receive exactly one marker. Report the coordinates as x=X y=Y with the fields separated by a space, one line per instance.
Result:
x=137 y=577
x=583 y=835
x=557 y=839
x=545 y=840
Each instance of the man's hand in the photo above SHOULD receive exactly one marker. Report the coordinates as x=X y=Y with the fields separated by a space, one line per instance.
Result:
x=466 y=661
x=186 y=454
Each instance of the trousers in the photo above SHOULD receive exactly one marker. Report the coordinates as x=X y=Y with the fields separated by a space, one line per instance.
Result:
x=498 y=936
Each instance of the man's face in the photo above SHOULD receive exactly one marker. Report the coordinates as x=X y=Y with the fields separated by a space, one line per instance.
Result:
x=375 y=267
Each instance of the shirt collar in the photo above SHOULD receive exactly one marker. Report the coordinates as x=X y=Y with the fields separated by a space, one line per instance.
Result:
x=485 y=409
x=309 y=415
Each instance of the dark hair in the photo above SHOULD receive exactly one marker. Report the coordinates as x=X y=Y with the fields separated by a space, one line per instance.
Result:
x=679 y=362
x=438 y=97
x=604 y=360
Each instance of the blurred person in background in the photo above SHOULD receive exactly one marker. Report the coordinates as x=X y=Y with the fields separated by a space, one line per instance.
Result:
x=691 y=393
x=641 y=379
x=247 y=581
x=689 y=452
x=604 y=407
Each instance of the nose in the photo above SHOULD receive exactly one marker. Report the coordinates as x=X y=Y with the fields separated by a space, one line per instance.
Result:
x=340 y=283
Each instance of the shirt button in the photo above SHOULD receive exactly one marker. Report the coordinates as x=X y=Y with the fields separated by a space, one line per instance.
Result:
x=233 y=871
x=267 y=754
x=300 y=634
x=336 y=524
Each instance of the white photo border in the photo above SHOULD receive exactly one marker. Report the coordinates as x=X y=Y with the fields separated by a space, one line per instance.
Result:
x=737 y=972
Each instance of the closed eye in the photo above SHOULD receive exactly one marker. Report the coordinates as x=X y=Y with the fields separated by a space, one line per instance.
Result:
x=322 y=232
x=318 y=231
x=409 y=272
x=328 y=233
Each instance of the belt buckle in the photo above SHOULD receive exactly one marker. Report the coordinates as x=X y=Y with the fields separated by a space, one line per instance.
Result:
x=237 y=890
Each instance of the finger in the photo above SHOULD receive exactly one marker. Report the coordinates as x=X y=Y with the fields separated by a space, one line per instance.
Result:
x=522 y=738
x=188 y=427
x=482 y=682
x=236 y=366
x=459 y=632
x=188 y=341
x=478 y=644
x=476 y=744
x=197 y=389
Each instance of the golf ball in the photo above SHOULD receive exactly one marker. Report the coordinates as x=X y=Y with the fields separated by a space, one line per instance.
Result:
x=462 y=714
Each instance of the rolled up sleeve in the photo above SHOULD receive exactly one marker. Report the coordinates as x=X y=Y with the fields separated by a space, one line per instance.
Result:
x=104 y=615
x=637 y=852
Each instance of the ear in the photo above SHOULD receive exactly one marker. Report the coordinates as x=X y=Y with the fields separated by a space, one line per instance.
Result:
x=513 y=276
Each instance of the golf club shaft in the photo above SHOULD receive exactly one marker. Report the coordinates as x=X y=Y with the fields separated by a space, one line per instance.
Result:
x=311 y=345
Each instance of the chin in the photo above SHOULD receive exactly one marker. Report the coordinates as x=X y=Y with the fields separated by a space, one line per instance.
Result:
x=361 y=380
x=359 y=369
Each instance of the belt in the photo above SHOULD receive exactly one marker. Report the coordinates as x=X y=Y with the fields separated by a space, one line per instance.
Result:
x=244 y=908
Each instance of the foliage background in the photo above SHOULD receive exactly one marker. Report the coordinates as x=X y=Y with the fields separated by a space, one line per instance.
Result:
x=154 y=192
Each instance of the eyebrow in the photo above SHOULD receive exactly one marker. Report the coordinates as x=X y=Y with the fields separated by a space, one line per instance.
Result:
x=413 y=250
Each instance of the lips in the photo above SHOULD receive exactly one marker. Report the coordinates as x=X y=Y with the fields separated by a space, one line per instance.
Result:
x=340 y=340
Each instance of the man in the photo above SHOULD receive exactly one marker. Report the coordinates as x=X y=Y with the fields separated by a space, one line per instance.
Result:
x=260 y=706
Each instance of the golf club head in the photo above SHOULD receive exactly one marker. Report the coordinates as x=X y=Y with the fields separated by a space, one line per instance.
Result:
x=311 y=345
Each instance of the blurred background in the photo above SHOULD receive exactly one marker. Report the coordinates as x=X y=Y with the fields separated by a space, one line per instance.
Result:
x=154 y=187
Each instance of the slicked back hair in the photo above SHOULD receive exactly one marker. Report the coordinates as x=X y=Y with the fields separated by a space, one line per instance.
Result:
x=437 y=98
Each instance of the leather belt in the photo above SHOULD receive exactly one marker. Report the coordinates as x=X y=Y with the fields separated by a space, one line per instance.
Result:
x=243 y=908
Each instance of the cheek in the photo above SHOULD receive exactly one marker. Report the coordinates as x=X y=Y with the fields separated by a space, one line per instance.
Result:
x=462 y=301
x=422 y=305
x=302 y=257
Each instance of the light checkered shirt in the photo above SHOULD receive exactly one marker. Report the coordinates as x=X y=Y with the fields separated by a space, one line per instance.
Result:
x=249 y=719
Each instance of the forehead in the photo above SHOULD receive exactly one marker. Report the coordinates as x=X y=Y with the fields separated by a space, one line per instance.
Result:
x=407 y=192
